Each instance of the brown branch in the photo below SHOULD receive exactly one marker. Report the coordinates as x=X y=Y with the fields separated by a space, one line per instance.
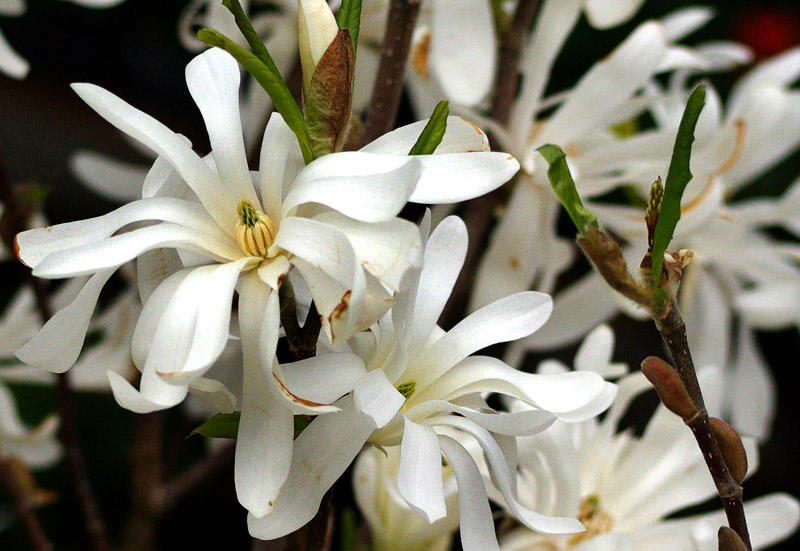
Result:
x=673 y=331
x=388 y=88
x=179 y=487
x=87 y=502
x=25 y=507
x=302 y=340
x=479 y=212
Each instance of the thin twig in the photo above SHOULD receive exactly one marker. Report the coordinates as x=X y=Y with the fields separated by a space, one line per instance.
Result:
x=87 y=502
x=388 y=88
x=192 y=478
x=673 y=331
x=479 y=212
x=25 y=508
x=147 y=472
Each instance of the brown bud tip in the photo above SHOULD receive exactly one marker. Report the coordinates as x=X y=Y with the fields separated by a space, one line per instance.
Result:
x=730 y=444
x=730 y=540
x=669 y=387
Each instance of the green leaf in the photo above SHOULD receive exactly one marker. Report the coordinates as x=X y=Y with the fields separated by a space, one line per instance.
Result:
x=350 y=19
x=222 y=425
x=433 y=133
x=226 y=425
x=270 y=79
x=564 y=186
x=678 y=176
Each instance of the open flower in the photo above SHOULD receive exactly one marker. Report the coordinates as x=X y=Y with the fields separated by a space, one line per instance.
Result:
x=205 y=223
x=623 y=486
x=422 y=392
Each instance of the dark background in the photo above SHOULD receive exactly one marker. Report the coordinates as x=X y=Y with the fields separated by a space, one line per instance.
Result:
x=132 y=51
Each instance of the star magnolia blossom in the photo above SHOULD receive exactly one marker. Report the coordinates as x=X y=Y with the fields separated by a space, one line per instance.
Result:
x=608 y=94
x=11 y=63
x=348 y=245
x=422 y=392
x=622 y=487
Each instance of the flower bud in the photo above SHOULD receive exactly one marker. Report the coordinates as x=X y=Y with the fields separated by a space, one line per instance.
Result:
x=730 y=444
x=316 y=29
x=729 y=540
x=669 y=387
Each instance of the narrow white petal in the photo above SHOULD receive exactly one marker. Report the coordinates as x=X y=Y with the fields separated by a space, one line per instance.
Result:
x=507 y=319
x=603 y=14
x=463 y=51
x=477 y=524
x=11 y=63
x=144 y=128
x=419 y=478
x=108 y=177
x=521 y=423
x=214 y=393
x=322 y=452
x=58 y=344
x=157 y=398
x=266 y=430
x=281 y=160
x=213 y=80
x=364 y=186
x=324 y=378
x=461 y=136
x=119 y=249
x=375 y=397
x=454 y=177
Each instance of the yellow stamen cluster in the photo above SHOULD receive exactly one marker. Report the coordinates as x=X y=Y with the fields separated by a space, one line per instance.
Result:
x=596 y=520
x=255 y=232
x=407 y=389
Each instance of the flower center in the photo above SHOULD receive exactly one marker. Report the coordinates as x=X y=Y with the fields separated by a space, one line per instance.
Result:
x=596 y=519
x=407 y=389
x=255 y=232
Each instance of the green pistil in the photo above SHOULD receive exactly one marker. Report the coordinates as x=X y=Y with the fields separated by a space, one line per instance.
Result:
x=247 y=213
x=407 y=389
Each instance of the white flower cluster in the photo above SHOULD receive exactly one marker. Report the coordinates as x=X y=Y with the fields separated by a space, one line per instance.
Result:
x=227 y=257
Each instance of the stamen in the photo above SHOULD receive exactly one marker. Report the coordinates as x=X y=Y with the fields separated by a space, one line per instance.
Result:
x=596 y=519
x=407 y=389
x=255 y=232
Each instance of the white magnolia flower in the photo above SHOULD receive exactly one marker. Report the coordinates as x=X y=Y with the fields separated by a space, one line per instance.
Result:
x=37 y=447
x=623 y=486
x=422 y=393
x=209 y=222
x=11 y=63
x=393 y=525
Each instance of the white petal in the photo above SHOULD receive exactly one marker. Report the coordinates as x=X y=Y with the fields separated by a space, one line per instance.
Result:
x=119 y=249
x=203 y=181
x=522 y=423
x=375 y=397
x=385 y=249
x=477 y=524
x=58 y=344
x=322 y=452
x=603 y=14
x=684 y=22
x=159 y=395
x=419 y=478
x=213 y=80
x=507 y=319
x=454 y=177
x=752 y=378
x=324 y=378
x=11 y=63
x=266 y=429
x=364 y=186
x=563 y=394
x=444 y=257
x=281 y=160
x=461 y=136
x=214 y=393
x=607 y=85
x=463 y=50
x=111 y=178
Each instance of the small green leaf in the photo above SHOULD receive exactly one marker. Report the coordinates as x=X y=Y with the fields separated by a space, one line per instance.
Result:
x=270 y=79
x=226 y=425
x=564 y=186
x=350 y=19
x=678 y=176
x=222 y=425
x=433 y=133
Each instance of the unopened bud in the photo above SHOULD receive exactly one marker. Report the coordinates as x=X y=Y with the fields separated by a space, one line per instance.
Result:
x=316 y=30
x=669 y=386
x=729 y=540
x=730 y=444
